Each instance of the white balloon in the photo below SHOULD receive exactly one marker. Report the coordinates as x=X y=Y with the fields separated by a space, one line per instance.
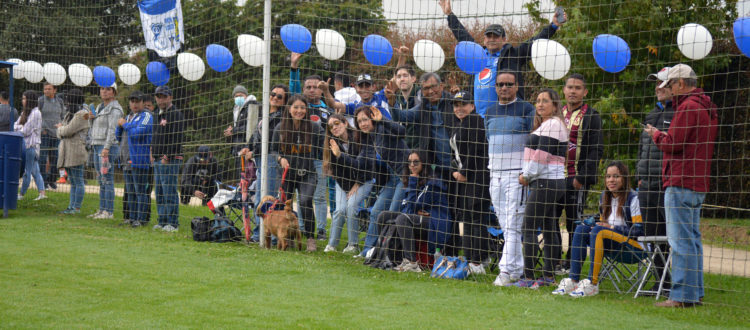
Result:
x=17 y=69
x=428 y=55
x=551 y=60
x=190 y=66
x=694 y=41
x=54 y=73
x=330 y=44
x=33 y=71
x=252 y=49
x=129 y=73
x=80 y=74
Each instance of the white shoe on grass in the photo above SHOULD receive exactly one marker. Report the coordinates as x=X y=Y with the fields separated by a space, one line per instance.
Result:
x=95 y=214
x=408 y=266
x=476 y=269
x=169 y=229
x=158 y=227
x=329 y=249
x=104 y=215
x=585 y=289
x=40 y=197
x=566 y=286
x=503 y=279
x=351 y=249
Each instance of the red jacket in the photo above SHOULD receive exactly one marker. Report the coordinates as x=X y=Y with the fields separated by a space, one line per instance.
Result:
x=688 y=145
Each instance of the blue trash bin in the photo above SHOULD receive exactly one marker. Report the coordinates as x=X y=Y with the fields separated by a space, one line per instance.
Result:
x=11 y=151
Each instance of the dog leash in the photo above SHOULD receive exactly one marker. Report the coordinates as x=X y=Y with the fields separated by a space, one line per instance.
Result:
x=282 y=195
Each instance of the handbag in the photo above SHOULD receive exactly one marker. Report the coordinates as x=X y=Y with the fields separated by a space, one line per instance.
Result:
x=450 y=267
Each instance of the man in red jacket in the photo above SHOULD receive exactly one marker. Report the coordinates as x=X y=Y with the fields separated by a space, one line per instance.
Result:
x=688 y=147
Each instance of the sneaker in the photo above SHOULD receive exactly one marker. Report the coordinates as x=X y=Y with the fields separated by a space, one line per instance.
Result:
x=322 y=235
x=369 y=253
x=476 y=269
x=126 y=222
x=585 y=289
x=104 y=215
x=351 y=249
x=40 y=197
x=543 y=281
x=95 y=214
x=408 y=266
x=503 y=279
x=157 y=227
x=524 y=283
x=65 y=211
x=311 y=245
x=72 y=211
x=135 y=224
x=561 y=270
x=329 y=249
x=20 y=197
x=566 y=286
x=169 y=228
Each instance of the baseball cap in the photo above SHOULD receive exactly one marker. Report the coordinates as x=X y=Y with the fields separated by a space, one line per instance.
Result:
x=660 y=76
x=495 y=29
x=679 y=71
x=203 y=152
x=462 y=96
x=364 y=78
x=163 y=90
x=137 y=95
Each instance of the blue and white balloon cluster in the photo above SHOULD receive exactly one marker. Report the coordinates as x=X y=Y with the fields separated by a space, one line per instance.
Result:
x=550 y=58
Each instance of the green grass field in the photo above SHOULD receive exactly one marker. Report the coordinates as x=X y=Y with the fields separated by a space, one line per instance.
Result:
x=72 y=272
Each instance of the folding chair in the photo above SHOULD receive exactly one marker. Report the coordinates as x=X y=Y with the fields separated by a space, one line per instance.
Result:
x=616 y=267
x=653 y=253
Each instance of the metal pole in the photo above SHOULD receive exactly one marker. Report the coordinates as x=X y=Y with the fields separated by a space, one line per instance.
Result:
x=10 y=90
x=266 y=107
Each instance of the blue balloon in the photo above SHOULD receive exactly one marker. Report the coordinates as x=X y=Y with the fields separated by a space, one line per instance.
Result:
x=378 y=50
x=157 y=73
x=611 y=53
x=296 y=38
x=104 y=76
x=470 y=57
x=742 y=35
x=218 y=57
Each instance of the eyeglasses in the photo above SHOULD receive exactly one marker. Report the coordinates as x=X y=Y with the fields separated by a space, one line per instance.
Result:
x=505 y=84
x=278 y=96
x=415 y=162
x=429 y=87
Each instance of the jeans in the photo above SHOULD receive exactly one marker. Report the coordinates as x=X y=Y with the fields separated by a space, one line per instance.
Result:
x=128 y=196
x=602 y=241
x=683 y=209
x=305 y=187
x=106 y=181
x=139 y=205
x=167 y=199
x=31 y=166
x=274 y=179
x=390 y=198
x=48 y=152
x=319 y=198
x=77 y=186
x=348 y=211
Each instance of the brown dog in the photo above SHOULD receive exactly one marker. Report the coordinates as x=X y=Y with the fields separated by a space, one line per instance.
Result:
x=282 y=223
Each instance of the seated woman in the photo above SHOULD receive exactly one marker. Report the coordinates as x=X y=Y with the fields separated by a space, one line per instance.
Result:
x=620 y=221
x=424 y=211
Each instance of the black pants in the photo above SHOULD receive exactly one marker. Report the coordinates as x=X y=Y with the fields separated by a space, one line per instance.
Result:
x=475 y=241
x=305 y=187
x=651 y=199
x=409 y=227
x=541 y=213
x=572 y=202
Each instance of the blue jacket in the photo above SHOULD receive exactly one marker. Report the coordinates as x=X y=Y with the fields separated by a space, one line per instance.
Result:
x=508 y=127
x=378 y=99
x=139 y=131
x=390 y=148
x=432 y=198
x=633 y=219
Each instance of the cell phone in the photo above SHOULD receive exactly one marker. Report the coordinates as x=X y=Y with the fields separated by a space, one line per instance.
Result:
x=560 y=14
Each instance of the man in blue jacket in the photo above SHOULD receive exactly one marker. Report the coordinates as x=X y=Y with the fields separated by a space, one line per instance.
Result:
x=500 y=55
x=138 y=128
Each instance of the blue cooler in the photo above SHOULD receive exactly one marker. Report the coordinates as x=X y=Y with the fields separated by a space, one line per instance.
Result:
x=11 y=151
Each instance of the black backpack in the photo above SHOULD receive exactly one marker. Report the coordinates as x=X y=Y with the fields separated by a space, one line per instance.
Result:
x=223 y=230
x=201 y=227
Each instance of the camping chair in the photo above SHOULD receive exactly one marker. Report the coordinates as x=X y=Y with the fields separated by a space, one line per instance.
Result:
x=616 y=267
x=653 y=253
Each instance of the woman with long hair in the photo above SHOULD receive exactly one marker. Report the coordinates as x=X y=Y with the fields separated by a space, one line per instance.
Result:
x=29 y=123
x=350 y=164
x=296 y=141
x=619 y=222
x=387 y=137
x=544 y=173
x=72 y=153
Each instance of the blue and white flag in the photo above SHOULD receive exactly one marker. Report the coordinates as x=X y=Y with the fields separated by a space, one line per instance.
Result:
x=162 y=25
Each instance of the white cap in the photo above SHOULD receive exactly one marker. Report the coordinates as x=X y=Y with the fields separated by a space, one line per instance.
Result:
x=679 y=71
x=660 y=76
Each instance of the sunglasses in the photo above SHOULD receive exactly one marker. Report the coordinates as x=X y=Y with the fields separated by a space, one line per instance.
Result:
x=501 y=85
x=278 y=96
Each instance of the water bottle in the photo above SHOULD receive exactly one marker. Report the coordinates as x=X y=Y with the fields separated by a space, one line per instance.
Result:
x=106 y=165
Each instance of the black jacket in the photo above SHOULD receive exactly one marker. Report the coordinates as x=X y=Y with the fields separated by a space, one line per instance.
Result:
x=514 y=58
x=650 y=157
x=354 y=165
x=302 y=156
x=168 y=134
x=591 y=145
x=469 y=140
x=256 y=140
x=389 y=145
x=197 y=176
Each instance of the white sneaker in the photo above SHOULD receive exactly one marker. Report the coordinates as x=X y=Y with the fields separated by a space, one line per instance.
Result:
x=351 y=249
x=476 y=269
x=40 y=197
x=503 y=279
x=408 y=266
x=329 y=249
x=585 y=289
x=169 y=229
x=104 y=215
x=95 y=214
x=369 y=253
x=157 y=227
x=566 y=286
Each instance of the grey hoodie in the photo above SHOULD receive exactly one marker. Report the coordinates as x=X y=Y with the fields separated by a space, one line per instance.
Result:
x=104 y=124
